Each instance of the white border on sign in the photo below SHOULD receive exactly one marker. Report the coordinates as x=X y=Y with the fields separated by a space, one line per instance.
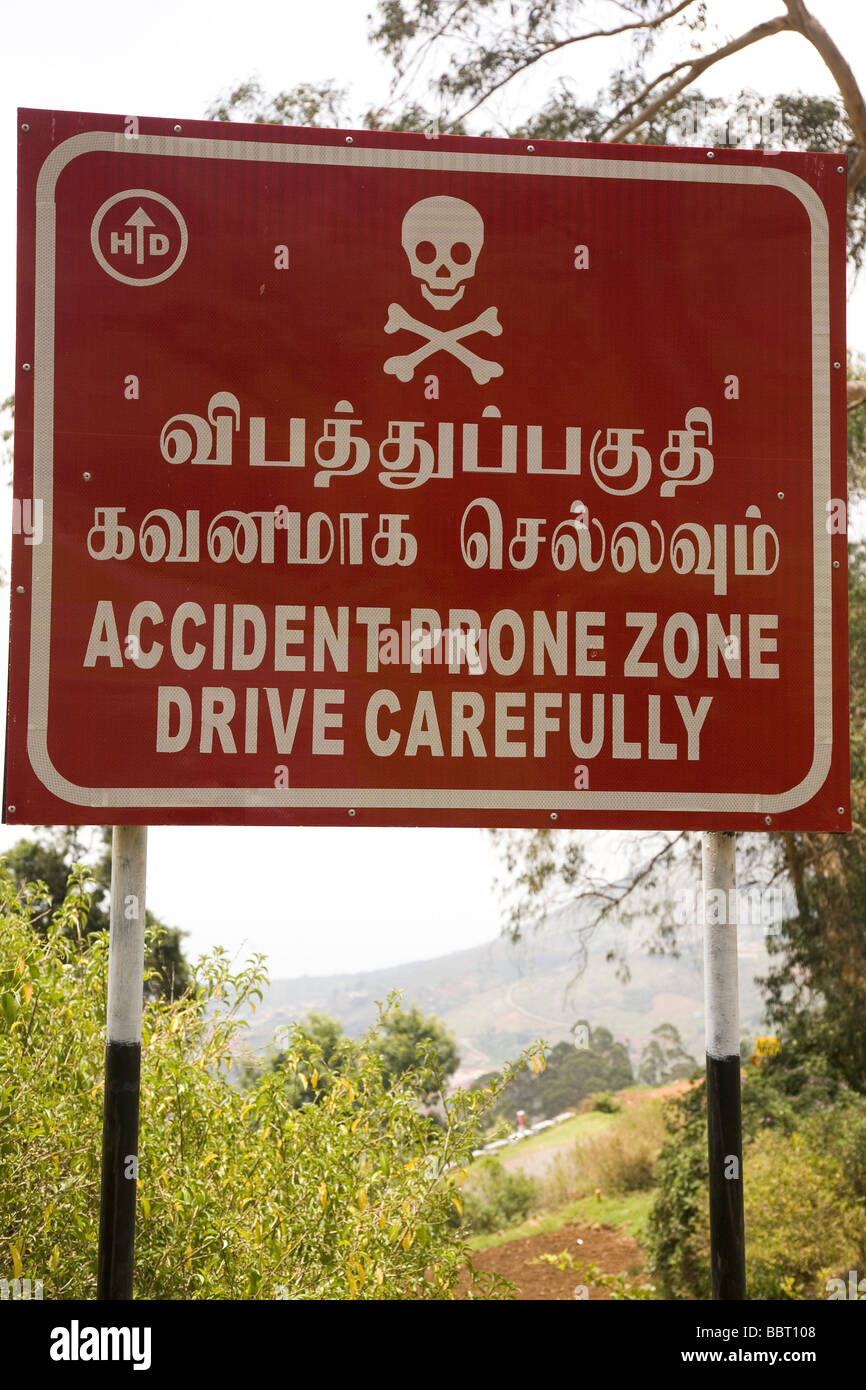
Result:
x=419 y=798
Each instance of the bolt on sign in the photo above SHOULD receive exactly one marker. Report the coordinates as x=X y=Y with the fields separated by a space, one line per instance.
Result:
x=426 y=480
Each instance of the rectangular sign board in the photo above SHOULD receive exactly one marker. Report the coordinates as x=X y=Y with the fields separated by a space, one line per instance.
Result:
x=365 y=478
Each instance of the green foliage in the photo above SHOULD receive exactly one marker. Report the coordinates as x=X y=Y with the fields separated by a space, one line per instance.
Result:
x=570 y=1074
x=49 y=863
x=421 y=1044
x=856 y=433
x=664 y=1058
x=675 y=1257
x=324 y=1037
x=319 y=1048
x=604 y=1101
x=779 y=1096
x=496 y=1197
x=846 y=1124
x=802 y=1226
x=804 y=1170
x=502 y=1128
x=241 y=1195
x=310 y=104
x=591 y=1273
x=410 y=1042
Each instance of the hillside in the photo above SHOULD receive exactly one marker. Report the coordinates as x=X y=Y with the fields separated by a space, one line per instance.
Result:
x=499 y=997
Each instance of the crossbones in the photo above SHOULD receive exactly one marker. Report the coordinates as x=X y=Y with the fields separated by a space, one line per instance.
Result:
x=442 y=340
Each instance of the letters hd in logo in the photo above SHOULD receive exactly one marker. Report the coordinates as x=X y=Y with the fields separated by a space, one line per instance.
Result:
x=139 y=237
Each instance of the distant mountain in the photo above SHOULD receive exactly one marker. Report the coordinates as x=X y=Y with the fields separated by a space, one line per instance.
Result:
x=499 y=997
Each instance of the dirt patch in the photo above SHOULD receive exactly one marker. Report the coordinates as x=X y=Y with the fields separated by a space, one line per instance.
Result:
x=629 y=1099
x=614 y=1251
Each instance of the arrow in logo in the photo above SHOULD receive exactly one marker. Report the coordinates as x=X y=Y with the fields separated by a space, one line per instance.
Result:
x=139 y=220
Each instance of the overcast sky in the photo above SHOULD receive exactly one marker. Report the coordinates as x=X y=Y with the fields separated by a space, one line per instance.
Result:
x=314 y=901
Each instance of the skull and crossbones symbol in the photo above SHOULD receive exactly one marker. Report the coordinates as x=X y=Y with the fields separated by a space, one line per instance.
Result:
x=442 y=238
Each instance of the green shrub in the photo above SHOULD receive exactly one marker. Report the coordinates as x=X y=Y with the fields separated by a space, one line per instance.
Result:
x=802 y=1225
x=501 y=1128
x=604 y=1101
x=845 y=1127
x=676 y=1252
x=496 y=1197
x=241 y=1195
x=804 y=1169
x=622 y=1160
x=591 y=1271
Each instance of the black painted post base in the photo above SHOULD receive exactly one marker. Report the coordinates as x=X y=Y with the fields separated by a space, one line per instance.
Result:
x=119 y=1170
x=725 y=1147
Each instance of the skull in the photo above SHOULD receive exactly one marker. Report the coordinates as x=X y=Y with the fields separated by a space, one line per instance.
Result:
x=442 y=238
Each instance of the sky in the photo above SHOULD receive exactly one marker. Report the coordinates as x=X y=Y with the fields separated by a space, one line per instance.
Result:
x=313 y=901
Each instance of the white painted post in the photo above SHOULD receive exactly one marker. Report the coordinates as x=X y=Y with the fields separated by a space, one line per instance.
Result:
x=122 y=1063
x=724 y=1116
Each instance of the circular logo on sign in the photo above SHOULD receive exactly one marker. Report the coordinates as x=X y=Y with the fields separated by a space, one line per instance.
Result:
x=139 y=237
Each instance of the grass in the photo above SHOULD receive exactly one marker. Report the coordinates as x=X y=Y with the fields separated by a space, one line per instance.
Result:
x=633 y=1207
x=593 y=1153
x=581 y=1127
x=619 y=1158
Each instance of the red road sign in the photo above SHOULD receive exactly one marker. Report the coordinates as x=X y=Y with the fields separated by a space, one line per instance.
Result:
x=426 y=481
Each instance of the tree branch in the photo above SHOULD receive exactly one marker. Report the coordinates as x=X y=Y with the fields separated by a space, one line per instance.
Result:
x=793 y=859
x=558 y=44
x=615 y=899
x=415 y=62
x=642 y=96
x=857 y=171
x=856 y=394
x=700 y=65
x=855 y=106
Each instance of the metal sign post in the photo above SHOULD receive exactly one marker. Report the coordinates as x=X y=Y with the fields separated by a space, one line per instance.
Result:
x=122 y=1063
x=724 y=1118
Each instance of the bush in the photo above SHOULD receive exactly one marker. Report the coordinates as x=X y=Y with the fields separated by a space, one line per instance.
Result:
x=623 y=1161
x=241 y=1195
x=604 y=1101
x=846 y=1126
x=804 y=1165
x=591 y=1271
x=496 y=1197
x=802 y=1225
x=501 y=1128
